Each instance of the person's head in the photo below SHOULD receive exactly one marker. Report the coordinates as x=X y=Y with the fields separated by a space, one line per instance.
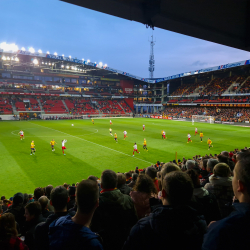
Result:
x=32 y=210
x=93 y=178
x=48 y=190
x=38 y=193
x=222 y=170
x=241 y=179
x=151 y=172
x=177 y=189
x=194 y=177
x=121 y=179
x=32 y=141
x=145 y=184
x=210 y=165
x=25 y=198
x=108 y=179
x=135 y=176
x=72 y=191
x=128 y=175
x=3 y=198
x=190 y=164
x=225 y=153
x=222 y=158
x=43 y=200
x=59 y=198
x=18 y=199
x=167 y=168
x=87 y=196
x=7 y=226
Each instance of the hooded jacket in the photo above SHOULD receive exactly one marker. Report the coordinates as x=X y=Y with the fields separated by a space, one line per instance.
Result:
x=42 y=229
x=64 y=234
x=169 y=228
x=222 y=188
x=114 y=218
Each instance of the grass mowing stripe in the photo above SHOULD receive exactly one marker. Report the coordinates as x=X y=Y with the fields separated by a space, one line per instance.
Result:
x=93 y=143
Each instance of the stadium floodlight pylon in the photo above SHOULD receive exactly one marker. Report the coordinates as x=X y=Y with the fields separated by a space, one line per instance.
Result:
x=202 y=118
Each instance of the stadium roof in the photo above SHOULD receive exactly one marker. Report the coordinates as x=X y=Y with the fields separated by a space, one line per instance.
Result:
x=90 y=68
x=225 y=22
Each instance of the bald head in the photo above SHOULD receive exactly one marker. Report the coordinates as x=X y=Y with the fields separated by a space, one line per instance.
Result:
x=225 y=153
x=43 y=200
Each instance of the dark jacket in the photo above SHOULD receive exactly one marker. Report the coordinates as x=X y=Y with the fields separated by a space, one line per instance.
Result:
x=42 y=229
x=29 y=231
x=64 y=234
x=114 y=218
x=231 y=232
x=46 y=213
x=132 y=184
x=18 y=212
x=168 y=227
x=125 y=189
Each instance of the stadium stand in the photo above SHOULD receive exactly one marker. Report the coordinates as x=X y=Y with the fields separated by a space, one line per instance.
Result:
x=53 y=106
x=5 y=106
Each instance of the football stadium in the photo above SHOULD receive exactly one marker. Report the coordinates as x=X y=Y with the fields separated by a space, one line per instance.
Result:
x=84 y=143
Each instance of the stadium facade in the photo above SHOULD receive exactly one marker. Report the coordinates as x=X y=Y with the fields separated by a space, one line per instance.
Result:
x=45 y=77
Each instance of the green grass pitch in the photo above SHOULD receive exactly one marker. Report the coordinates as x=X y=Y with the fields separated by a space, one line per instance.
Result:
x=91 y=149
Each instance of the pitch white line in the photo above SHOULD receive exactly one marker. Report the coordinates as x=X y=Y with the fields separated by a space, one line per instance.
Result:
x=92 y=143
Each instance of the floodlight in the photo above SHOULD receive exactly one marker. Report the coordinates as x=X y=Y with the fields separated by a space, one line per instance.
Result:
x=47 y=52
x=67 y=67
x=17 y=59
x=83 y=59
x=63 y=55
x=23 y=49
x=40 y=51
x=35 y=61
x=55 y=54
x=8 y=58
x=8 y=47
x=62 y=66
x=49 y=63
x=88 y=61
x=69 y=56
x=31 y=50
x=100 y=64
x=4 y=58
x=42 y=62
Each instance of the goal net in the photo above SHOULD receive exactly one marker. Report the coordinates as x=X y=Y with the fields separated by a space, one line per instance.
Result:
x=202 y=118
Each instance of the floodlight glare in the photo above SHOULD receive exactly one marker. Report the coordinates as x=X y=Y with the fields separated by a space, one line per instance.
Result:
x=83 y=59
x=8 y=47
x=67 y=67
x=47 y=52
x=35 y=61
x=31 y=50
x=8 y=58
x=23 y=49
x=17 y=59
x=40 y=51
x=62 y=54
x=100 y=64
x=62 y=66
x=55 y=54
x=4 y=58
x=49 y=63
x=88 y=61
x=69 y=56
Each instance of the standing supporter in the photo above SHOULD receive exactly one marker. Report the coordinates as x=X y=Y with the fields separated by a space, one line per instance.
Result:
x=43 y=200
x=233 y=231
x=115 y=215
x=17 y=209
x=72 y=197
x=59 y=198
x=152 y=173
x=143 y=190
x=48 y=190
x=227 y=159
x=8 y=234
x=73 y=232
x=204 y=201
x=121 y=184
x=220 y=184
x=174 y=223
x=38 y=192
x=33 y=217
x=210 y=167
x=128 y=177
x=134 y=178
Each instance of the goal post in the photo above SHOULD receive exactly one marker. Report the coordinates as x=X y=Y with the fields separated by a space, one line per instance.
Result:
x=202 y=118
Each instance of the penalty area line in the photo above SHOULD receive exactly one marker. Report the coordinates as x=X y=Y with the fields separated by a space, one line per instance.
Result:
x=92 y=143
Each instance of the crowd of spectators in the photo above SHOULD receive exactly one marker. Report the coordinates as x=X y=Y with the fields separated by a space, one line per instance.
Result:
x=219 y=113
x=198 y=203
